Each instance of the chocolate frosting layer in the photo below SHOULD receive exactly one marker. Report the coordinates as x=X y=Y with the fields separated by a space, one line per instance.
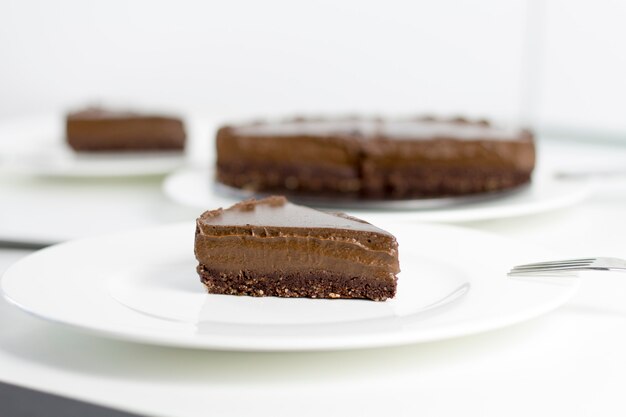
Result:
x=277 y=211
x=377 y=128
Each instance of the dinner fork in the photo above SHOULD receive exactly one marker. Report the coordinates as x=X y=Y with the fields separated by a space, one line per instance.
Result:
x=570 y=265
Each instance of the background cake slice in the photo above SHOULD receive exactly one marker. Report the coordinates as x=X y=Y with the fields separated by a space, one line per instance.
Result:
x=271 y=247
x=96 y=129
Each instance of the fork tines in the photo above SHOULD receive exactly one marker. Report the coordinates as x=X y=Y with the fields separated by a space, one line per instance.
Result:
x=570 y=265
x=553 y=266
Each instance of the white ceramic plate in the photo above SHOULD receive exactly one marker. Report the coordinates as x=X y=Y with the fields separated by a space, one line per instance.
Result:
x=57 y=160
x=142 y=286
x=196 y=188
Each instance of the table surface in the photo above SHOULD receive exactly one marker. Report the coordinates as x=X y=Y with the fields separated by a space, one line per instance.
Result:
x=569 y=362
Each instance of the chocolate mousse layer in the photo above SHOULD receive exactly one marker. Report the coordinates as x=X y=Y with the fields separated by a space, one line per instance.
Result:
x=375 y=158
x=271 y=247
x=96 y=129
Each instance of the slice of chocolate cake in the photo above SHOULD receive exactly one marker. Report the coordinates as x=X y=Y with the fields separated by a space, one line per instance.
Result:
x=375 y=158
x=271 y=247
x=96 y=129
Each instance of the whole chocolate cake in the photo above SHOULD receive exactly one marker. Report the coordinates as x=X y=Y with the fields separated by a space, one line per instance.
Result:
x=271 y=247
x=375 y=158
x=96 y=129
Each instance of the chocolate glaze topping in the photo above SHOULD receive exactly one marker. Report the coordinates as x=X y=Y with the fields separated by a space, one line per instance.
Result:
x=424 y=128
x=276 y=211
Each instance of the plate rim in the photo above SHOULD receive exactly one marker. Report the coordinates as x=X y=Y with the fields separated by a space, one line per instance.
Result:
x=453 y=213
x=158 y=163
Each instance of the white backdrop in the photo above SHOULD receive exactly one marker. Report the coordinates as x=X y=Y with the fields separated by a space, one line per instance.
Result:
x=249 y=58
